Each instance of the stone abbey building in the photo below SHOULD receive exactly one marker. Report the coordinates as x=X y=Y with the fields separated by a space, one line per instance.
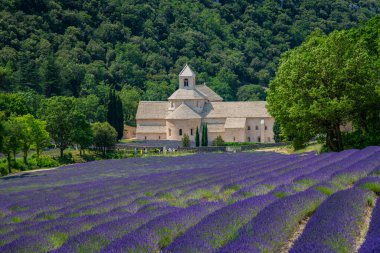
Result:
x=193 y=105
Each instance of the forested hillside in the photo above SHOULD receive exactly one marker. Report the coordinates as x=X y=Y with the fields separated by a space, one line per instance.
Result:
x=80 y=47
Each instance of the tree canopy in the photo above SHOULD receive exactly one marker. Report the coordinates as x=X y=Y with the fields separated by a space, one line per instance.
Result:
x=73 y=47
x=327 y=82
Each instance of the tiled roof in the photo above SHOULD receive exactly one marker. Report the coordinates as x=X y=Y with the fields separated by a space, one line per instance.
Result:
x=152 y=110
x=255 y=109
x=186 y=71
x=209 y=93
x=151 y=129
x=182 y=94
x=183 y=112
x=235 y=123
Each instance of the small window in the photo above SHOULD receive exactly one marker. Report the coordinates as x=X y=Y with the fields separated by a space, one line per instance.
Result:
x=159 y=137
x=186 y=82
x=234 y=138
x=171 y=104
x=180 y=132
x=170 y=132
x=257 y=127
x=249 y=128
x=145 y=137
x=266 y=128
x=191 y=131
x=249 y=139
x=258 y=139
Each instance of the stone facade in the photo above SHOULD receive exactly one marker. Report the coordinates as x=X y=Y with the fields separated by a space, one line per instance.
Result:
x=193 y=105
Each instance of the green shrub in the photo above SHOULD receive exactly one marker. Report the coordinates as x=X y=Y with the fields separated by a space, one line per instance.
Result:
x=218 y=141
x=185 y=141
x=45 y=162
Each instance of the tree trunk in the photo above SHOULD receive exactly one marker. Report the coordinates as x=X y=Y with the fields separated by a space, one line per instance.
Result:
x=25 y=156
x=334 y=138
x=9 y=163
x=38 y=153
x=338 y=134
x=61 y=149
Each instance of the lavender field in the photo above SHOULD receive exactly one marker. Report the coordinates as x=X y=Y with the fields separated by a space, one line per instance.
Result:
x=241 y=202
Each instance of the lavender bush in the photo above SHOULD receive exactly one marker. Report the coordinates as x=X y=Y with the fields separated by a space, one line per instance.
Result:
x=336 y=224
x=198 y=203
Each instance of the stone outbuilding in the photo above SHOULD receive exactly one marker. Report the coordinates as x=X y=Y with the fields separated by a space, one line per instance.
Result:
x=192 y=105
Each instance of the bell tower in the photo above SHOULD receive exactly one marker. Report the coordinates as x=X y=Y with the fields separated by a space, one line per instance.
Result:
x=187 y=78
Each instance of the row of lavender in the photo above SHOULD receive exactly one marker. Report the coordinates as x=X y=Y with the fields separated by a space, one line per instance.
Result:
x=136 y=213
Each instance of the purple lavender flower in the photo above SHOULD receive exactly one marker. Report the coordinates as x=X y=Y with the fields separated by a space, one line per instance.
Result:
x=274 y=225
x=335 y=225
x=372 y=241
x=218 y=228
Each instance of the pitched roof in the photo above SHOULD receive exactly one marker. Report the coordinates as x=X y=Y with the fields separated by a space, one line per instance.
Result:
x=209 y=93
x=215 y=128
x=235 y=123
x=252 y=109
x=152 y=110
x=186 y=71
x=183 y=112
x=186 y=94
x=151 y=129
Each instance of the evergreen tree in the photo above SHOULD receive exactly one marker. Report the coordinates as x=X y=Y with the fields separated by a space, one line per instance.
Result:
x=120 y=118
x=27 y=74
x=197 y=138
x=115 y=113
x=203 y=136
x=206 y=135
x=49 y=73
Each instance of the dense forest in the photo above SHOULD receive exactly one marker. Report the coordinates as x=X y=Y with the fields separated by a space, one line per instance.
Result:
x=84 y=47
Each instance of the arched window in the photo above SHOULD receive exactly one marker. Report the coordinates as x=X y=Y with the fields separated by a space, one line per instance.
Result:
x=186 y=82
x=180 y=132
x=171 y=104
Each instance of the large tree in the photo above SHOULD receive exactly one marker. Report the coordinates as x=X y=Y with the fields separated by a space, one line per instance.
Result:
x=62 y=120
x=105 y=136
x=40 y=137
x=321 y=85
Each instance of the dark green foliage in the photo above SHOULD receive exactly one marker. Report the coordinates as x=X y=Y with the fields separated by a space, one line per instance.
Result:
x=206 y=135
x=185 y=141
x=251 y=93
x=197 y=138
x=218 y=141
x=277 y=132
x=115 y=115
x=204 y=141
x=137 y=43
x=50 y=77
